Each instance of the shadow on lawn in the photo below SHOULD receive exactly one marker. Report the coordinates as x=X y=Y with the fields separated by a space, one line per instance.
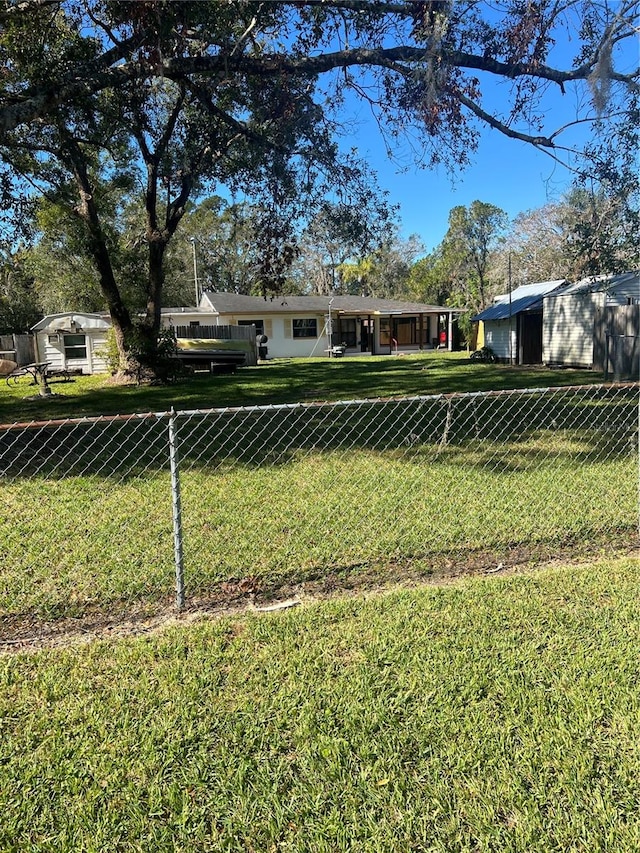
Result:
x=602 y=421
x=281 y=381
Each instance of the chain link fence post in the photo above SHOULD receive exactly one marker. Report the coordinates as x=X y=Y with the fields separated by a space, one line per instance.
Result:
x=176 y=506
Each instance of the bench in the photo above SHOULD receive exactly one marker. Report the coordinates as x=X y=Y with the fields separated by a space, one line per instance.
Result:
x=63 y=373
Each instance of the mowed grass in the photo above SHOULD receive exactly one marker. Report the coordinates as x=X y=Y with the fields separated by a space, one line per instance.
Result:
x=281 y=381
x=80 y=544
x=493 y=715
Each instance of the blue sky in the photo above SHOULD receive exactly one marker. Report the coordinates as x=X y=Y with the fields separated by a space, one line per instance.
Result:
x=510 y=174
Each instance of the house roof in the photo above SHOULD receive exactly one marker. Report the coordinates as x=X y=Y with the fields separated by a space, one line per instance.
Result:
x=528 y=297
x=234 y=303
x=626 y=284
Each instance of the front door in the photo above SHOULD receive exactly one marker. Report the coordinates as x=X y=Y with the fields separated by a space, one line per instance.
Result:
x=364 y=336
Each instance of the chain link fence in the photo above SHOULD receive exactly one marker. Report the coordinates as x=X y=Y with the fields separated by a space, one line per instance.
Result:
x=128 y=515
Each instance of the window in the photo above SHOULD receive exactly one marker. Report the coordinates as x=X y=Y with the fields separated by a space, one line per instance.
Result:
x=400 y=330
x=307 y=328
x=75 y=346
x=259 y=324
x=347 y=333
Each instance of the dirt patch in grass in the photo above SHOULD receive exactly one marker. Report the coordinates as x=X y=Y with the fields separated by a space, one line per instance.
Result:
x=237 y=596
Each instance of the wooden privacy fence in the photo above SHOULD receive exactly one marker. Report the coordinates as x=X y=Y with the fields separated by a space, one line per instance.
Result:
x=18 y=348
x=220 y=339
x=221 y=333
x=616 y=344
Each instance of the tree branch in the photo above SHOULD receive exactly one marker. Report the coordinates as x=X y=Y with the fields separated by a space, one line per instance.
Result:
x=94 y=77
x=492 y=121
x=239 y=127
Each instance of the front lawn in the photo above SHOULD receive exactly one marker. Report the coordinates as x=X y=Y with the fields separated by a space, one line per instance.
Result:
x=283 y=381
x=497 y=715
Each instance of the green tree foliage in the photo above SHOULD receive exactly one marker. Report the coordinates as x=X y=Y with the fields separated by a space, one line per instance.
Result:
x=602 y=231
x=589 y=231
x=429 y=281
x=216 y=246
x=474 y=233
x=64 y=273
x=178 y=99
x=385 y=272
x=19 y=308
x=459 y=272
x=339 y=243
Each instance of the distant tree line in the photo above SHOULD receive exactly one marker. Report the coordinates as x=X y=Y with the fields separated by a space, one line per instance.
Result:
x=482 y=253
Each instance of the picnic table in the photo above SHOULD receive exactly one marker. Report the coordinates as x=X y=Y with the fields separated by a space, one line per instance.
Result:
x=38 y=372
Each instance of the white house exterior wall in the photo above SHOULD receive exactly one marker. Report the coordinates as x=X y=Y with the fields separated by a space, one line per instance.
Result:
x=496 y=336
x=185 y=317
x=567 y=329
x=278 y=328
x=282 y=344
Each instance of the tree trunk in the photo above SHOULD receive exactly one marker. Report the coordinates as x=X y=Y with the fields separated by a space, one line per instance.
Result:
x=157 y=246
x=86 y=209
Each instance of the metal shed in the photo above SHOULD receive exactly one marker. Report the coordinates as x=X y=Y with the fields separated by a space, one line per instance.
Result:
x=513 y=324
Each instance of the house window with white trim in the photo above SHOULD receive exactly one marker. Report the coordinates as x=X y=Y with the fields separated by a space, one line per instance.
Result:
x=307 y=328
x=75 y=346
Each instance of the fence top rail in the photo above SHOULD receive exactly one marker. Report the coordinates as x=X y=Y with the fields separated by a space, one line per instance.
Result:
x=271 y=407
x=90 y=419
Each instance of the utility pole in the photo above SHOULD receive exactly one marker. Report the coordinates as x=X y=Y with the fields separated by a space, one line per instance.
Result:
x=330 y=329
x=192 y=240
x=510 y=316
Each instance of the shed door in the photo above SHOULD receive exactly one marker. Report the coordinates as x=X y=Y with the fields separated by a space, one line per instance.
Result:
x=531 y=339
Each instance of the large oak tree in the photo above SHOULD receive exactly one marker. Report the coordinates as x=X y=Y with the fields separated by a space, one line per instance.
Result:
x=177 y=98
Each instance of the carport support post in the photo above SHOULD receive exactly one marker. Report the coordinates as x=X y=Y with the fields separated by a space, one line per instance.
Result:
x=177 y=510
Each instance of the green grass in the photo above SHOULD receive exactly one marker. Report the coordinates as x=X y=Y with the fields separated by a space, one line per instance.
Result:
x=495 y=715
x=282 y=381
x=74 y=544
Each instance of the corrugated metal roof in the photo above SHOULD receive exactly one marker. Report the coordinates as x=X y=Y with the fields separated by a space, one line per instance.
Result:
x=538 y=288
x=63 y=321
x=527 y=297
x=504 y=310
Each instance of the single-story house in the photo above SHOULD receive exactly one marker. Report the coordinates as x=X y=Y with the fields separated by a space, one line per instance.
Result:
x=595 y=323
x=296 y=326
x=512 y=326
x=72 y=340
x=303 y=326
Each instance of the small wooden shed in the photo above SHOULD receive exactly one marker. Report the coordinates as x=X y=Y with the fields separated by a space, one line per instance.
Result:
x=72 y=341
